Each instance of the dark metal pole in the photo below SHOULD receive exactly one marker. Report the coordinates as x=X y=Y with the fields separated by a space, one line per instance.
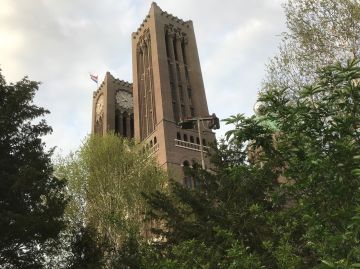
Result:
x=201 y=144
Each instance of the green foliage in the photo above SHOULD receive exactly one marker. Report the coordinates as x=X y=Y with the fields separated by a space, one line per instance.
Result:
x=320 y=32
x=87 y=252
x=318 y=144
x=107 y=177
x=240 y=258
x=286 y=189
x=31 y=198
x=212 y=218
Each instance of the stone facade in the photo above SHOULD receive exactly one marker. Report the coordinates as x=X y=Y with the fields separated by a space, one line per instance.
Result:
x=167 y=88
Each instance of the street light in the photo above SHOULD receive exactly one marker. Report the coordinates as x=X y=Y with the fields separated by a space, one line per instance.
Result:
x=214 y=123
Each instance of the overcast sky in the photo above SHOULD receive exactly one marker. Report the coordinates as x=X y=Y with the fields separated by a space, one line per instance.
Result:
x=60 y=42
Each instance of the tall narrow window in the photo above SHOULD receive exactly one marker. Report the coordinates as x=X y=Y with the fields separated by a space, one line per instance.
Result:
x=173 y=91
x=170 y=72
x=181 y=93
x=167 y=45
x=174 y=103
x=178 y=72
x=132 y=125
x=183 y=52
x=187 y=73
x=189 y=95
x=175 y=52
x=117 y=125
x=183 y=114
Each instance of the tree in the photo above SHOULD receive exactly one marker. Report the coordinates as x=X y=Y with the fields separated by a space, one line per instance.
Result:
x=107 y=177
x=286 y=191
x=31 y=198
x=318 y=145
x=214 y=225
x=319 y=33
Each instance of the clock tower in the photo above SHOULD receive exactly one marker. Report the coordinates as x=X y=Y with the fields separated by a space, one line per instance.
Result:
x=113 y=107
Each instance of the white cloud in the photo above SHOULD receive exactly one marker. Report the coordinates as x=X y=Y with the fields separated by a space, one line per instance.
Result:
x=60 y=42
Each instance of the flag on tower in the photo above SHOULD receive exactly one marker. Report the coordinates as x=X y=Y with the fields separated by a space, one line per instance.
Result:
x=94 y=78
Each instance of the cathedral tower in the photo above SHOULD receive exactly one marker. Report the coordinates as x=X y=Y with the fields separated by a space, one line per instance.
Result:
x=167 y=88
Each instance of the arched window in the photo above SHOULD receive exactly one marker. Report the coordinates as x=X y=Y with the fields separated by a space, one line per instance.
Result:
x=132 y=126
x=204 y=142
x=191 y=139
x=197 y=141
x=151 y=144
x=178 y=136
x=195 y=181
x=185 y=137
x=117 y=117
x=124 y=123
x=187 y=175
x=155 y=140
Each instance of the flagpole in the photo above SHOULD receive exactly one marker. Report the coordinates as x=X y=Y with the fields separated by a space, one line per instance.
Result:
x=95 y=79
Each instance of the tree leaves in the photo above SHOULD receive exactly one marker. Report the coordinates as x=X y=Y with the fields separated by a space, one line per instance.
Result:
x=108 y=177
x=319 y=33
x=32 y=200
x=284 y=195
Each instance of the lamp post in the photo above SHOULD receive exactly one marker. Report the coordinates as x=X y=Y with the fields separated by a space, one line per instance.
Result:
x=201 y=145
x=189 y=124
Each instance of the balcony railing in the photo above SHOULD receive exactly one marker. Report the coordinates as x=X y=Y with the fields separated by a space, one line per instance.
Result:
x=189 y=145
x=154 y=148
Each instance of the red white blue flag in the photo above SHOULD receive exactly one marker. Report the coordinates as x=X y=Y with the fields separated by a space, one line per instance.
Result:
x=94 y=78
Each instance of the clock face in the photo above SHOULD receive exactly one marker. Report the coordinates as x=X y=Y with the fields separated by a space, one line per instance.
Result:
x=124 y=100
x=99 y=109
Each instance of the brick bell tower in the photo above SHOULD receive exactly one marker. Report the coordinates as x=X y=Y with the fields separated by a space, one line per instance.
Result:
x=167 y=88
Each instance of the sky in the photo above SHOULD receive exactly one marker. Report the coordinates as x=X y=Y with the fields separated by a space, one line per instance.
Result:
x=60 y=42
